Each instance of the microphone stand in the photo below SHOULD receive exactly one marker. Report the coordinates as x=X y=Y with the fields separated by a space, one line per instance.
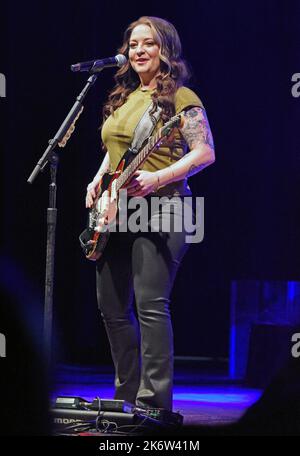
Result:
x=51 y=157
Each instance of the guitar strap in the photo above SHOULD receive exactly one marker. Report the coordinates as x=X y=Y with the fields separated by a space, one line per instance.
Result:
x=144 y=128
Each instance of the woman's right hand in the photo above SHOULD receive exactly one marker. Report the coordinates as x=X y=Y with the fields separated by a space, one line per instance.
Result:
x=91 y=192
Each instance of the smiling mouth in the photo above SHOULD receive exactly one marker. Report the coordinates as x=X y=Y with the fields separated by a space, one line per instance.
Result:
x=142 y=61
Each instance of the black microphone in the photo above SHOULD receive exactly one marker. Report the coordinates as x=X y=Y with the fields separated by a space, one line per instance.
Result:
x=97 y=65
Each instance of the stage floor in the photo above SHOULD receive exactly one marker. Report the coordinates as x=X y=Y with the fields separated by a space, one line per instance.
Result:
x=202 y=397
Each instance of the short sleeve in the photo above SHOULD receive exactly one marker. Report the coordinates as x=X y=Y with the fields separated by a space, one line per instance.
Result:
x=184 y=98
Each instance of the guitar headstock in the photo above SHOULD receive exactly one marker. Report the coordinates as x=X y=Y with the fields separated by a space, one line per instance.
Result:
x=68 y=134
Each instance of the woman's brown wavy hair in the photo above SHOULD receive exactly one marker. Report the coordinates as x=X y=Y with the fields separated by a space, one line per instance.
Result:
x=173 y=69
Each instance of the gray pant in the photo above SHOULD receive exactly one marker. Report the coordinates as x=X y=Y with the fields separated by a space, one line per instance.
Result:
x=143 y=265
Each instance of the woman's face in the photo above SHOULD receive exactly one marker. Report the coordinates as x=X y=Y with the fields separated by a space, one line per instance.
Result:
x=144 y=53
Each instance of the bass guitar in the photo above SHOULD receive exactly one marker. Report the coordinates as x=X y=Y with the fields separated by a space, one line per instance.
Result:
x=104 y=211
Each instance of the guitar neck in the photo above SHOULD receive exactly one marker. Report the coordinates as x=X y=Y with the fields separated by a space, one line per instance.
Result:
x=153 y=143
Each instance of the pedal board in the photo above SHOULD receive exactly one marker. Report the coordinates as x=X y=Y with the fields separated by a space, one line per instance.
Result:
x=98 y=404
x=74 y=415
x=165 y=416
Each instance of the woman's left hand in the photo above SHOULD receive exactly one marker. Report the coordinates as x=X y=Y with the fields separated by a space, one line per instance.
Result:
x=142 y=183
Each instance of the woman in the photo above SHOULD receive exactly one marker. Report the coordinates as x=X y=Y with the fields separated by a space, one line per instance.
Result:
x=145 y=264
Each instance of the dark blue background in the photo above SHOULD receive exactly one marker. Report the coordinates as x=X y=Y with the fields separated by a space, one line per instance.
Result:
x=243 y=55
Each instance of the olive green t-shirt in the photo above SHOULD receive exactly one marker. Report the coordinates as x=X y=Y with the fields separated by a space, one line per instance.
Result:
x=118 y=130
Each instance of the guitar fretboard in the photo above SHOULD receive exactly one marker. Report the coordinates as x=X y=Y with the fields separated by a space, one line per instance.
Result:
x=153 y=143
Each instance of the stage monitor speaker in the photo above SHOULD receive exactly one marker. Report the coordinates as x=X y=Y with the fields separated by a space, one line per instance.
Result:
x=274 y=303
x=269 y=348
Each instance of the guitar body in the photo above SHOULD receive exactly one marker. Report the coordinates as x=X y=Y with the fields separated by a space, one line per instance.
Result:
x=94 y=238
